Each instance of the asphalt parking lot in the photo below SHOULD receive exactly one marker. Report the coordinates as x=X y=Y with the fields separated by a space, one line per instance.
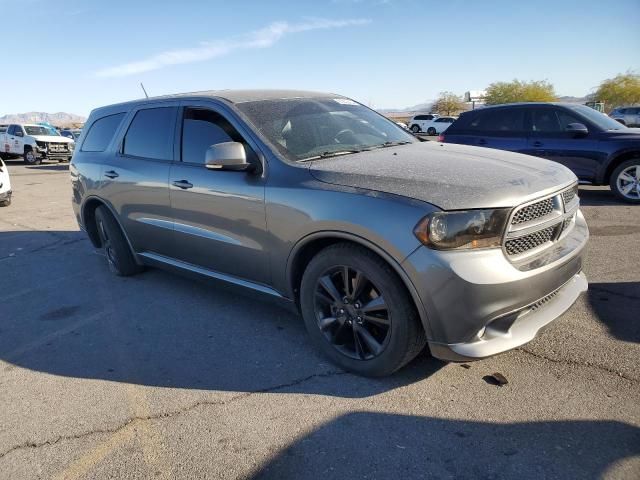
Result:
x=157 y=376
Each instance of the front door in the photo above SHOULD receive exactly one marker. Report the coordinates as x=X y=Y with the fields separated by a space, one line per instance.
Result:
x=549 y=139
x=136 y=179
x=219 y=216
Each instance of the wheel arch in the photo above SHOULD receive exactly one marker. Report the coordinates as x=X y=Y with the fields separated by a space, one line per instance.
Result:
x=312 y=244
x=88 y=215
x=616 y=161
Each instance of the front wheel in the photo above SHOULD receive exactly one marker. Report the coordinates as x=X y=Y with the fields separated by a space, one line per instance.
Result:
x=30 y=158
x=625 y=181
x=431 y=131
x=415 y=128
x=358 y=312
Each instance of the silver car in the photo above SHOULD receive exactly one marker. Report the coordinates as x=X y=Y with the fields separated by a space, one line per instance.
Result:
x=384 y=243
x=629 y=116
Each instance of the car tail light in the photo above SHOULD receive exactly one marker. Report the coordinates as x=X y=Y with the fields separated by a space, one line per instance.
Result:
x=441 y=137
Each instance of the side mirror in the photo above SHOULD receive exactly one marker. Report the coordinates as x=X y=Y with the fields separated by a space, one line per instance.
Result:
x=227 y=156
x=578 y=129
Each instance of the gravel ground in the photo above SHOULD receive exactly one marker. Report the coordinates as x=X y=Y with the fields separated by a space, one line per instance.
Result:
x=163 y=377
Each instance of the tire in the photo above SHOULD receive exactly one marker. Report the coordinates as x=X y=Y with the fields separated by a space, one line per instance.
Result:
x=398 y=334
x=431 y=131
x=415 y=128
x=30 y=158
x=5 y=203
x=626 y=175
x=119 y=256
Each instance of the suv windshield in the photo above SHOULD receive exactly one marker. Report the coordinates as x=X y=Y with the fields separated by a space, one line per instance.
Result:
x=600 y=119
x=307 y=128
x=40 y=131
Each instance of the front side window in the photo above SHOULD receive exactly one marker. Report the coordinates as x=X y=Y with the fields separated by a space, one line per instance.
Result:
x=150 y=134
x=305 y=128
x=202 y=128
x=101 y=133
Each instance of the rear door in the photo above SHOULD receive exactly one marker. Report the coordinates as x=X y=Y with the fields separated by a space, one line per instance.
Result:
x=136 y=178
x=219 y=216
x=549 y=139
x=501 y=128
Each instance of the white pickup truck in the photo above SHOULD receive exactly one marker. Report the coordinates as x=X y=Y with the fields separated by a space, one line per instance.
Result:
x=34 y=143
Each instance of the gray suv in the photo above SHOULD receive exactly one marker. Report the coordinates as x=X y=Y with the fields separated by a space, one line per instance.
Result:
x=383 y=242
x=629 y=116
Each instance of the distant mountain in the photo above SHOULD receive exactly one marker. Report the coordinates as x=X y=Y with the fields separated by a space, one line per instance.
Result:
x=421 y=107
x=58 y=119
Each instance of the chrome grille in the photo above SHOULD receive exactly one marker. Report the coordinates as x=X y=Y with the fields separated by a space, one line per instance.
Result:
x=569 y=195
x=534 y=211
x=537 y=225
x=57 y=147
x=527 y=242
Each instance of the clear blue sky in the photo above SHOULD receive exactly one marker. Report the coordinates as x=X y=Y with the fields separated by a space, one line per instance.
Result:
x=74 y=55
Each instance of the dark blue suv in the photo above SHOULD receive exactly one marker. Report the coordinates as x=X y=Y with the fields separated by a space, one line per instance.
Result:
x=598 y=149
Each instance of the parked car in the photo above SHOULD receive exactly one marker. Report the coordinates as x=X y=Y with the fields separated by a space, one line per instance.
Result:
x=383 y=242
x=67 y=134
x=34 y=143
x=420 y=123
x=629 y=116
x=599 y=150
x=5 y=185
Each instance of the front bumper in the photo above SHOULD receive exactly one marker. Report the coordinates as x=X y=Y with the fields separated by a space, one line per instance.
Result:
x=478 y=303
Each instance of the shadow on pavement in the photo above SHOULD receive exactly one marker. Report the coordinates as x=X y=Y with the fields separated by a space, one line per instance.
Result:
x=50 y=166
x=614 y=304
x=376 y=445
x=598 y=197
x=65 y=314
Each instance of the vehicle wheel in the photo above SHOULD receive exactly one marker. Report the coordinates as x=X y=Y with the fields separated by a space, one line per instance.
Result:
x=30 y=158
x=358 y=312
x=415 y=128
x=116 y=248
x=625 y=181
x=5 y=203
x=431 y=131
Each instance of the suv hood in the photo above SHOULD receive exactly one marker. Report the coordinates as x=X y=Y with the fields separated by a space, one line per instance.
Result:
x=52 y=138
x=632 y=134
x=451 y=177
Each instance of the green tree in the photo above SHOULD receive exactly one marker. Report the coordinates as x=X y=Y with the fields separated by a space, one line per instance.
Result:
x=448 y=103
x=519 y=91
x=619 y=91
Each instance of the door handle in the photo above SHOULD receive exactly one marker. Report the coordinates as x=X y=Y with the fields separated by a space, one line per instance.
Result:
x=183 y=184
x=111 y=174
x=537 y=143
x=482 y=141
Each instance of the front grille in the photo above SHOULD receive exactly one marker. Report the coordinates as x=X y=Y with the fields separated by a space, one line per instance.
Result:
x=540 y=223
x=569 y=195
x=527 y=242
x=534 y=211
x=57 y=147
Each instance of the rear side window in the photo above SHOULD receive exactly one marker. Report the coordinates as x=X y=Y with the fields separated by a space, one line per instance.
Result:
x=492 y=121
x=423 y=117
x=150 y=134
x=101 y=133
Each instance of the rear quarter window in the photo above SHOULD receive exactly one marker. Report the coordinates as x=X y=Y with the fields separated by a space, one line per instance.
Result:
x=101 y=133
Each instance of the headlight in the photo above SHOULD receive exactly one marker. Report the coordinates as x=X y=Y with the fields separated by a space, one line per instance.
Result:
x=464 y=229
x=71 y=147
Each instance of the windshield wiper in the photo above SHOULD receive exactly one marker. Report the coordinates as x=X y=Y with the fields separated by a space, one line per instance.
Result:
x=330 y=154
x=390 y=144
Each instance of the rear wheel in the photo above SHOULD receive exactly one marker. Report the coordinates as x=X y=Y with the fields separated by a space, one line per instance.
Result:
x=431 y=131
x=415 y=128
x=625 y=181
x=115 y=246
x=358 y=312
x=30 y=158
